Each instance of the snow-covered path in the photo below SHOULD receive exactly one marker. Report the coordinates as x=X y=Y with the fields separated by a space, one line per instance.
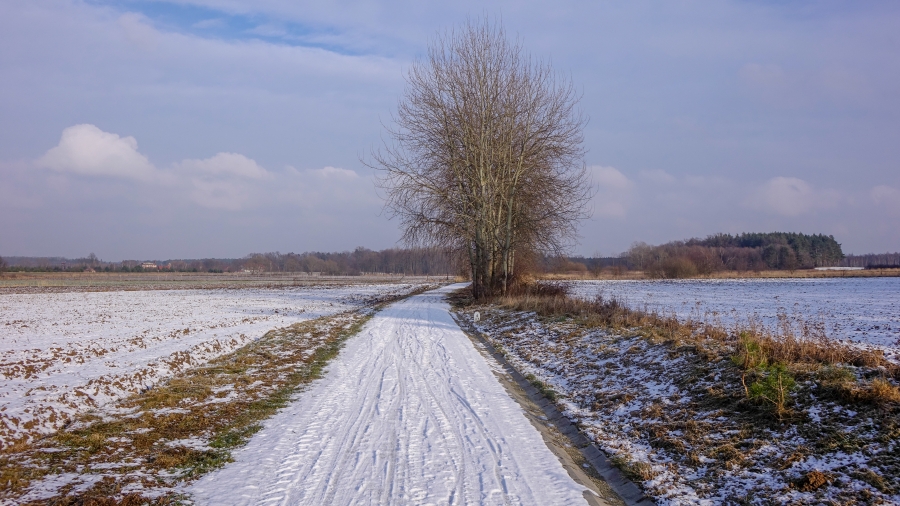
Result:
x=409 y=413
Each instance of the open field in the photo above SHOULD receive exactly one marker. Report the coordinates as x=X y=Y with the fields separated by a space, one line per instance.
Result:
x=863 y=311
x=66 y=352
x=410 y=412
x=44 y=282
x=611 y=273
x=140 y=449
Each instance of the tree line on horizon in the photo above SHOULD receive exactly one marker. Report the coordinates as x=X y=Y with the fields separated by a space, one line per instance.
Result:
x=743 y=252
x=726 y=252
x=411 y=262
x=716 y=253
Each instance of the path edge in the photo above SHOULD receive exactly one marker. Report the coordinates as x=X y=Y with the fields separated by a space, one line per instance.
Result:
x=628 y=491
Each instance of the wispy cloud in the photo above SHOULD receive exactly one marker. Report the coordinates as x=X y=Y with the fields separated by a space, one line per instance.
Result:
x=791 y=196
x=614 y=192
x=226 y=164
x=886 y=197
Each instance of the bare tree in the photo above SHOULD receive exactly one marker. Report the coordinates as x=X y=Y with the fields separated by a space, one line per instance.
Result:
x=486 y=155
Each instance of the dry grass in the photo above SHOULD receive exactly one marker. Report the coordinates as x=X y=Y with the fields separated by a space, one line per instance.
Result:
x=183 y=427
x=696 y=417
x=754 y=346
x=772 y=362
x=634 y=470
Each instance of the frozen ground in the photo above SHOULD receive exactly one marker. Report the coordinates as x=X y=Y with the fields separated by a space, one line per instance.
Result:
x=861 y=310
x=65 y=352
x=408 y=413
x=679 y=424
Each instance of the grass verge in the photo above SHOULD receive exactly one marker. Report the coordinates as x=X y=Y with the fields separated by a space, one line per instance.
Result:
x=771 y=360
x=697 y=412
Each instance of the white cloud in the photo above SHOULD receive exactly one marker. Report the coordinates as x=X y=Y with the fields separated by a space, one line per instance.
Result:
x=791 y=196
x=219 y=194
x=613 y=191
x=86 y=150
x=335 y=173
x=328 y=190
x=657 y=176
x=138 y=31
x=226 y=164
x=224 y=181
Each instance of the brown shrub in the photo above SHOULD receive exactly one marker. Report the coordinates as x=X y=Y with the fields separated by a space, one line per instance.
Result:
x=879 y=391
x=814 y=480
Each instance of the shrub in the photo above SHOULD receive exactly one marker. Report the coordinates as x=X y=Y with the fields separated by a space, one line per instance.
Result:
x=750 y=353
x=774 y=387
x=679 y=267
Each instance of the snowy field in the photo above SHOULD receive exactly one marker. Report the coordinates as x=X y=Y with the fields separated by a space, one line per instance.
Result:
x=860 y=310
x=61 y=353
x=678 y=422
x=409 y=413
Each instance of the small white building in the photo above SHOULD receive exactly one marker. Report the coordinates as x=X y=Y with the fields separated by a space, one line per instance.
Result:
x=148 y=265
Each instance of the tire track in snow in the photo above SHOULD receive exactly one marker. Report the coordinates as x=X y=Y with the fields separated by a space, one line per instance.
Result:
x=408 y=413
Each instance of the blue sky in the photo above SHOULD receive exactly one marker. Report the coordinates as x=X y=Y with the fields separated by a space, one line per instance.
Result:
x=195 y=128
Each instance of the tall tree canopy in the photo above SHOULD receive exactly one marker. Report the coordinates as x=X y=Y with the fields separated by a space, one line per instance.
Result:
x=486 y=156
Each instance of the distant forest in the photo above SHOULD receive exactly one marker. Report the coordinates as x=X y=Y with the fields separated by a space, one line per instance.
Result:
x=413 y=262
x=678 y=259
x=725 y=252
x=872 y=260
x=744 y=252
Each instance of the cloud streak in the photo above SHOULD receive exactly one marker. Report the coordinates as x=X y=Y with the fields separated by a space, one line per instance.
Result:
x=614 y=192
x=791 y=196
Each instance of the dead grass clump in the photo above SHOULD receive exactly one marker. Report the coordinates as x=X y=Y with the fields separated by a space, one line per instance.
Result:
x=635 y=471
x=543 y=289
x=878 y=391
x=876 y=480
x=127 y=500
x=653 y=411
x=757 y=346
x=728 y=455
x=882 y=390
x=814 y=480
x=799 y=453
x=661 y=438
